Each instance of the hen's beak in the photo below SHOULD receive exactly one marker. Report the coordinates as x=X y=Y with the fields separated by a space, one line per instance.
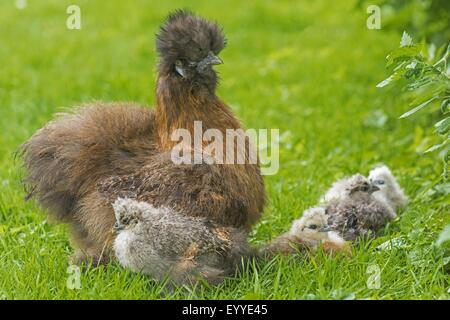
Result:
x=210 y=60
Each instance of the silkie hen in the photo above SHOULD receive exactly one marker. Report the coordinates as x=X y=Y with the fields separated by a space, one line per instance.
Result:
x=80 y=163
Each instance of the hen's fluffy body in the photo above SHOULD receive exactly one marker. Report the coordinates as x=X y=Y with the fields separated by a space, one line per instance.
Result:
x=80 y=163
x=67 y=158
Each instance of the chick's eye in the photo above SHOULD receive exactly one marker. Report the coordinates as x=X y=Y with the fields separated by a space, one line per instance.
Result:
x=379 y=181
x=313 y=226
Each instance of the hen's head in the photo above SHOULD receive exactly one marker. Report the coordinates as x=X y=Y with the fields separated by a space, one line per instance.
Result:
x=188 y=46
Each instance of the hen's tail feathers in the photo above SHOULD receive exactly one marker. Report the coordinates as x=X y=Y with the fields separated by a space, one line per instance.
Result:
x=65 y=159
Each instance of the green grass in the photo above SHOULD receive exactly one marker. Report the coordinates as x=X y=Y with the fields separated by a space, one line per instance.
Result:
x=308 y=68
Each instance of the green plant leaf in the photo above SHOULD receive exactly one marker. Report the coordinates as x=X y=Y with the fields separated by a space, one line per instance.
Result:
x=443 y=126
x=435 y=147
x=385 y=82
x=444 y=235
x=445 y=106
x=406 y=40
x=404 y=53
x=420 y=106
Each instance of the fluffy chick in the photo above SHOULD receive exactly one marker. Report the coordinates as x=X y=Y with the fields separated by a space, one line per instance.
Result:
x=161 y=242
x=356 y=212
x=340 y=189
x=390 y=191
x=308 y=232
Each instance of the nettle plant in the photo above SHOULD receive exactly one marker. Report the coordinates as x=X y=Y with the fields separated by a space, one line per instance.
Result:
x=424 y=71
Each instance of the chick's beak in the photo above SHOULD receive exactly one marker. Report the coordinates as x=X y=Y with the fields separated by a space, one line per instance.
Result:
x=373 y=188
x=325 y=229
x=117 y=227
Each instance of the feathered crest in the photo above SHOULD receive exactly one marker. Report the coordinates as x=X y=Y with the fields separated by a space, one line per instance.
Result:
x=185 y=35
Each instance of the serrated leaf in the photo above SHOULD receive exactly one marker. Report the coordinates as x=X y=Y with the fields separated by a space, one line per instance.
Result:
x=444 y=235
x=395 y=243
x=419 y=107
x=400 y=66
x=447 y=52
x=418 y=83
x=443 y=126
x=431 y=51
x=404 y=53
x=385 y=82
x=411 y=65
x=443 y=188
x=446 y=260
x=406 y=40
x=435 y=147
x=445 y=106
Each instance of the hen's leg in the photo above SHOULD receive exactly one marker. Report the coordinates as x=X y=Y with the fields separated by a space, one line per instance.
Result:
x=92 y=232
x=87 y=250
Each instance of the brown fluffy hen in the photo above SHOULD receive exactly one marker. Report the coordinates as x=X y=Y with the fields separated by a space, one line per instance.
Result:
x=80 y=163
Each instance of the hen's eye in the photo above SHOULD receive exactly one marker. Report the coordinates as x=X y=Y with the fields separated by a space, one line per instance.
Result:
x=379 y=181
x=313 y=226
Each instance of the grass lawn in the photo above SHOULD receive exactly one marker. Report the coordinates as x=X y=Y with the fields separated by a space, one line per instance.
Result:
x=308 y=68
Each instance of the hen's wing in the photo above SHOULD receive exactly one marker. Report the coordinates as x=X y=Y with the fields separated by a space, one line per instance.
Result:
x=193 y=189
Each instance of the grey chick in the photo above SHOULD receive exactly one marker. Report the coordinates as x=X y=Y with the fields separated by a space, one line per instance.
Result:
x=337 y=191
x=356 y=212
x=308 y=232
x=390 y=191
x=163 y=243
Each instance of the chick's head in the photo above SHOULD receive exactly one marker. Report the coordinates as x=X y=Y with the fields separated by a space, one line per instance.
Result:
x=312 y=225
x=128 y=214
x=359 y=183
x=382 y=178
